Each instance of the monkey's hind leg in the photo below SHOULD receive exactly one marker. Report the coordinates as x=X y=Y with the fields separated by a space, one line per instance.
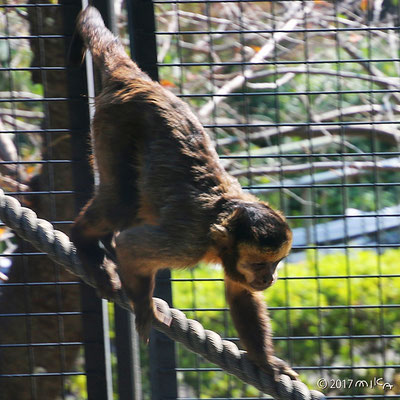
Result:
x=91 y=227
x=141 y=251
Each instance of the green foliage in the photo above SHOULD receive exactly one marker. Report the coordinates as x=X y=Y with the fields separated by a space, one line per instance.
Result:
x=326 y=313
x=345 y=301
x=77 y=386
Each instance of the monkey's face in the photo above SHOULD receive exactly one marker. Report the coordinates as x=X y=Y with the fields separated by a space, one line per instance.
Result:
x=263 y=239
x=252 y=241
x=259 y=266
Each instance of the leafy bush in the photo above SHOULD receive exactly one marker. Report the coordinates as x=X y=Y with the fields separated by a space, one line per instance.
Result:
x=336 y=307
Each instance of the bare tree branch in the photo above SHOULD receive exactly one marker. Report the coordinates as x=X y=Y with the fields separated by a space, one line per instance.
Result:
x=294 y=18
x=12 y=185
x=369 y=67
x=304 y=146
x=352 y=110
x=305 y=131
x=8 y=151
x=14 y=122
x=382 y=80
x=19 y=95
x=393 y=165
x=21 y=113
x=272 y=85
x=166 y=42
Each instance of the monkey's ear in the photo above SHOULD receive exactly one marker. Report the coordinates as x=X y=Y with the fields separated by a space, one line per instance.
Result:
x=238 y=213
x=219 y=234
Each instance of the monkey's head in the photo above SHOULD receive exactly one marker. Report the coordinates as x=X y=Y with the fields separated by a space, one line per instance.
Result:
x=251 y=241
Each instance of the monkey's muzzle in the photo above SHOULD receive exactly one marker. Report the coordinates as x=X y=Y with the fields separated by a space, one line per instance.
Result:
x=264 y=283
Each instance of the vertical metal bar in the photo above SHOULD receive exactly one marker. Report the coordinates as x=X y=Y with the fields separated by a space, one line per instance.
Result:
x=162 y=349
x=127 y=347
x=126 y=337
x=106 y=8
x=97 y=347
x=94 y=321
x=142 y=35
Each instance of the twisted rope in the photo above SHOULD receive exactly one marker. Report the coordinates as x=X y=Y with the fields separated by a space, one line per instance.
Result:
x=186 y=331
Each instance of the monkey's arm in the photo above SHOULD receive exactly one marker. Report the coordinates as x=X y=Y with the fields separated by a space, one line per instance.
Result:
x=250 y=316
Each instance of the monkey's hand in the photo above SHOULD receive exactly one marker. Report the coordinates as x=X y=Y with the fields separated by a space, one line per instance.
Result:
x=104 y=275
x=275 y=367
x=108 y=279
x=99 y=269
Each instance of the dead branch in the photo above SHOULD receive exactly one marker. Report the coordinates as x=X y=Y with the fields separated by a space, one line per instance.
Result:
x=9 y=184
x=305 y=131
x=393 y=165
x=21 y=113
x=8 y=151
x=17 y=124
x=373 y=71
x=294 y=18
x=381 y=80
x=305 y=146
x=19 y=95
x=352 y=110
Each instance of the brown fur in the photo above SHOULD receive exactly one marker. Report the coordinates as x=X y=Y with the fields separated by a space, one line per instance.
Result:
x=165 y=196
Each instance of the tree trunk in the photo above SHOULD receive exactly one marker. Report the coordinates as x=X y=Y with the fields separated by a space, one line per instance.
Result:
x=42 y=298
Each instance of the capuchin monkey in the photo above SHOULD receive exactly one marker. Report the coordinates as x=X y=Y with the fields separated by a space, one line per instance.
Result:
x=167 y=201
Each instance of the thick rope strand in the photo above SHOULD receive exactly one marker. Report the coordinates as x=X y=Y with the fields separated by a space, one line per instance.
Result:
x=186 y=331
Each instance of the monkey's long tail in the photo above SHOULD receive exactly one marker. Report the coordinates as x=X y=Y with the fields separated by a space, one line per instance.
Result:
x=107 y=50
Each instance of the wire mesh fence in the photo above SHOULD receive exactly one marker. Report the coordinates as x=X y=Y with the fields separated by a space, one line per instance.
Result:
x=302 y=102
x=300 y=99
x=42 y=334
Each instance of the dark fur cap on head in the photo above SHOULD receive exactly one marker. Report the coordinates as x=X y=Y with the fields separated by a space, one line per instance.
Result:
x=257 y=223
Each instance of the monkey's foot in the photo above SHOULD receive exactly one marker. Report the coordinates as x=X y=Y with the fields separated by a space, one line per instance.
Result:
x=143 y=320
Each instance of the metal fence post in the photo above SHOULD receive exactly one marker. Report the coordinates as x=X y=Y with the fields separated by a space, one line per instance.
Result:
x=126 y=337
x=143 y=46
x=95 y=312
